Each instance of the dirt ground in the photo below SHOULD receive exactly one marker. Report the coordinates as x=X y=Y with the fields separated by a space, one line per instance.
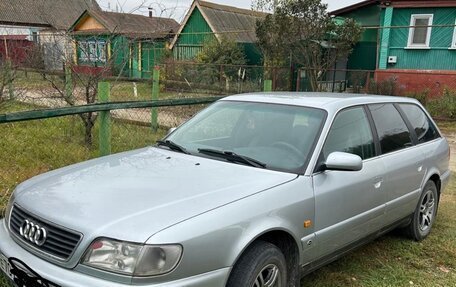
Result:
x=451 y=137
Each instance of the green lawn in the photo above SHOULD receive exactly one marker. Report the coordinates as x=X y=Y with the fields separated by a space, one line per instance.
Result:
x=28 y=149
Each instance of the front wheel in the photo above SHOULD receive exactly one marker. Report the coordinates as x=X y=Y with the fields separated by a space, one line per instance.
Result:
x=425 y=213
x=262 y=265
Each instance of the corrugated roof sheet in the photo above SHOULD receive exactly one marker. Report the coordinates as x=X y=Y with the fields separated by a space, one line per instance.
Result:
x=223 y=19
x=59 y=14
x=134 y=25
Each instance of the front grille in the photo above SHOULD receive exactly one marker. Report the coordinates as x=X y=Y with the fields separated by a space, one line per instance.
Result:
x=60 y=242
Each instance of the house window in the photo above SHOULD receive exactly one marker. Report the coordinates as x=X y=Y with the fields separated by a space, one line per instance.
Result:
x=453 y=43
x=101 y=51
x=35 y=37
x=420 y=31
x=84 y=51
x=92 y=51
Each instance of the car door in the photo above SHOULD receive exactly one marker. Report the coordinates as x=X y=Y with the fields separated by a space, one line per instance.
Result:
x=349 y=205
x=403 y=159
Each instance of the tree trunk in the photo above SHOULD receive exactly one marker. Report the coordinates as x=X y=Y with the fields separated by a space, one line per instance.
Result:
x=89 y=122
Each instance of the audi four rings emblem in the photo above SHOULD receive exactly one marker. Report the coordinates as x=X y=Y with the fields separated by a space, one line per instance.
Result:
x=33 y=232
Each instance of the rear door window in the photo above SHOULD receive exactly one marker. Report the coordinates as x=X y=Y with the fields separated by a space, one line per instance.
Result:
x=423 y=126
x=392 y=131
x=350 y=133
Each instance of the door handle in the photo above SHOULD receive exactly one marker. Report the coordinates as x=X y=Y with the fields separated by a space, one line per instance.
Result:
x=378 y=182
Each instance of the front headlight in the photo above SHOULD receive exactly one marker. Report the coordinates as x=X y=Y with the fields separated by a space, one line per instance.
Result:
x=131 y=258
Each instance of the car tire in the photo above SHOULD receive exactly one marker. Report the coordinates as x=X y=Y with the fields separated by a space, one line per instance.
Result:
x=263 y=264
x=425 y=213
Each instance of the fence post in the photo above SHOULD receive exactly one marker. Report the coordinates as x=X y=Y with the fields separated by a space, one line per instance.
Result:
x=268 y=85
x=368 y=82
x=105 y=120
x=68 y=82
x=298 y=81
x=155 y=94
x=10 y=78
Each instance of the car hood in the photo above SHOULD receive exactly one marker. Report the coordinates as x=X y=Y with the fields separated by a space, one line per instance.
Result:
x=133 y=195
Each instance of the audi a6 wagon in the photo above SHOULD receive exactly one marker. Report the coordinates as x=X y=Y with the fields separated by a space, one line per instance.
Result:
x=255 y=190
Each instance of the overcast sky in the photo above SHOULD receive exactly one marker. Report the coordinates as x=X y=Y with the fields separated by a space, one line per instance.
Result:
x=178 y=8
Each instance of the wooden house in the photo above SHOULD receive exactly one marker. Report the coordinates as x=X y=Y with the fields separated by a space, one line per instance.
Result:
x=206 y=21
x=411 y=42
x=43 y=22
x=127 y=45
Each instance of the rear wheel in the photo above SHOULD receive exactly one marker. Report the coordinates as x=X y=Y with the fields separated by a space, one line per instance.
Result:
x=262 y=265
x=425 y=213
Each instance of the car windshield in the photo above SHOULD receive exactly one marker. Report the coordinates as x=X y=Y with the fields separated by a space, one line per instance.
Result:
x=262 y=135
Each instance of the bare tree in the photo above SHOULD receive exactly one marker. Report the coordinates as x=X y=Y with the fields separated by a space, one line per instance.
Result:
x=76 y=85
x=104 y=56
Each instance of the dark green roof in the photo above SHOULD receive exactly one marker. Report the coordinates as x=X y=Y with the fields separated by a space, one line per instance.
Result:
x=237 y=23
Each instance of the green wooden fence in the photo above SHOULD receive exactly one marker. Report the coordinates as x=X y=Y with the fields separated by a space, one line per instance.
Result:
x=100 y=107
x=104 y=113
x=104 y=106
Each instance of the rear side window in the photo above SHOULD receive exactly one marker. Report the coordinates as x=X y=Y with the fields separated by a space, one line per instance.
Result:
x=391 y=128
x=350 y=133
x=424 y=128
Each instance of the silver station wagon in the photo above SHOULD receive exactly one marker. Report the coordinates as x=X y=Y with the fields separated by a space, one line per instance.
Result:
x=256 y=190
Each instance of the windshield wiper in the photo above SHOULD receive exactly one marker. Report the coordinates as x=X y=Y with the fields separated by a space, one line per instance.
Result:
x=233 y=157
x=173 y=146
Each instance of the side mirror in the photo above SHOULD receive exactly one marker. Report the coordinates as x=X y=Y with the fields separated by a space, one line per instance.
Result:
x=170 y=131
x=343 y=162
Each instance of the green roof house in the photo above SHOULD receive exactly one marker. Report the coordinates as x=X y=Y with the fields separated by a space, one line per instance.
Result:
x=206 y=21
x=410 y=42
x=122 y=44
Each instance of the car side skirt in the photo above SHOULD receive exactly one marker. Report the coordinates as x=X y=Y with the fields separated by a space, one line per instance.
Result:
x=312 y=266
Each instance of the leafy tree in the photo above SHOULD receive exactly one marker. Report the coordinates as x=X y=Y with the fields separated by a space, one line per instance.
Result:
x=223 y=52
x=217 y=54
x=304 y=29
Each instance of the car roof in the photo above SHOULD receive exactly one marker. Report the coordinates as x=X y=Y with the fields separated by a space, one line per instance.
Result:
x=326 y=101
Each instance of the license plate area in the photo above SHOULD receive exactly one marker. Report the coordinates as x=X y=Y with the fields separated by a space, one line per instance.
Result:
x=5 y=266
x=22 y=275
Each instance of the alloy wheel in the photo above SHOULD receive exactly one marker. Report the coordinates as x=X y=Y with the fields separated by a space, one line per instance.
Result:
x=269 y=276
x=427 y=210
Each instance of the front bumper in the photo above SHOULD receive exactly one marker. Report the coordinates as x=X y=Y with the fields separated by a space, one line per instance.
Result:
x=70 y=278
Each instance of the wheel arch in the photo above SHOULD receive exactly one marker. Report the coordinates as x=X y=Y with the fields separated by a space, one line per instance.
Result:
x=434 y=176
x=288 y=245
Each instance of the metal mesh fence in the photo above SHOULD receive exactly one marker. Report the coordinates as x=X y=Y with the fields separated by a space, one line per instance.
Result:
x=181 y=78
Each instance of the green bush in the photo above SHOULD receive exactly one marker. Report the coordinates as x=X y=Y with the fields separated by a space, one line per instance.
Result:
x=388 y=87
x=422 y=97
x=445 y=106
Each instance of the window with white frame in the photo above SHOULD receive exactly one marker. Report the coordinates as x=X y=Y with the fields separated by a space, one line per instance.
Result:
x=420 y=31
x=453 y=42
